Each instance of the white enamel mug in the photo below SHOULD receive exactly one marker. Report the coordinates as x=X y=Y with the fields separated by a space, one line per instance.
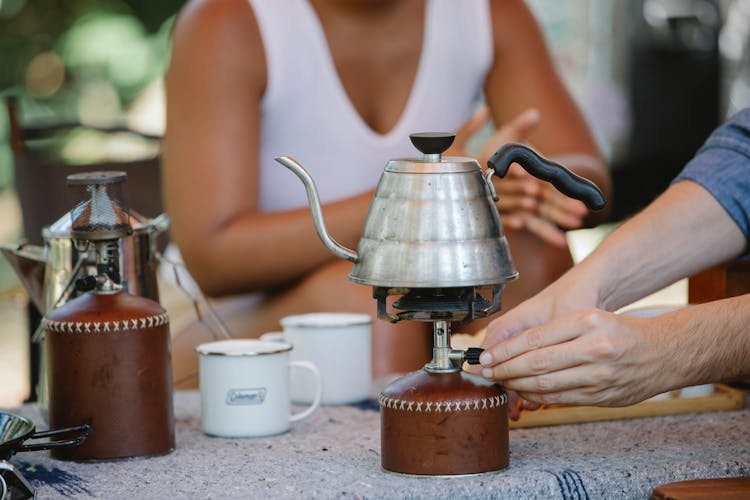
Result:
x=244 y=385
x=339 y=345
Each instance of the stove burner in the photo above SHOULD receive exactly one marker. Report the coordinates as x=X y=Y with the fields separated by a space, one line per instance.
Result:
x=456 y=304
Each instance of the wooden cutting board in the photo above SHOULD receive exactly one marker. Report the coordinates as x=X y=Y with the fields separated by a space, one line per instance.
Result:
x=726 y=488
x=723 y=398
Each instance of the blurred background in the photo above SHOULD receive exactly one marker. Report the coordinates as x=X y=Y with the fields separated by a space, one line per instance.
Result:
x=653 y=78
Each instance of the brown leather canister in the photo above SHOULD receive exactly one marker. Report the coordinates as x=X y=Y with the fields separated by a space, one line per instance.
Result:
x=443 y=424
x=110 y=366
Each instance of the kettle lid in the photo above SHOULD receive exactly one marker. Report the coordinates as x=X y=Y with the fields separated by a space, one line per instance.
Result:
x=432 y=145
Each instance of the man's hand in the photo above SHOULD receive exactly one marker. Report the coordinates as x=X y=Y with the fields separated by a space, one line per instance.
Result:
x=588 y=357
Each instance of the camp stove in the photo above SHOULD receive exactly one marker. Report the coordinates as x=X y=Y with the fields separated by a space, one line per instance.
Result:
x=433 y=237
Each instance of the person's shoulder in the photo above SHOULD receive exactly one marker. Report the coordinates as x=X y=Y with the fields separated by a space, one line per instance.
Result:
x=510 y=12
x=511 y=20
x=220 y=38
x=212 y=11
x=221 y=21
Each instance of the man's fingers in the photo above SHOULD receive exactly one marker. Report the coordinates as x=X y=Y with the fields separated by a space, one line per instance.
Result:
x=514 y=405
x=530 y=405
x=554 y=332
x=583 y=396
x=538 y=370
x=559 y=380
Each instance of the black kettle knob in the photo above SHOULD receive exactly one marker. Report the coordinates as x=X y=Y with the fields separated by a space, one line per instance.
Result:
x=564 y=180
x=432 y=143
x=472 y=355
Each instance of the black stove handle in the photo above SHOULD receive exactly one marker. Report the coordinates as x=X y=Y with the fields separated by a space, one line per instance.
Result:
x=472 y=355
x=564 y=180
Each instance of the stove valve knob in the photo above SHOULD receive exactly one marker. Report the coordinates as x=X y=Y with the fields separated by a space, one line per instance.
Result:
x=472 y=355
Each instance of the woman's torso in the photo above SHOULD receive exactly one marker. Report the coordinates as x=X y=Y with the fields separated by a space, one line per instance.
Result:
x=307 y=114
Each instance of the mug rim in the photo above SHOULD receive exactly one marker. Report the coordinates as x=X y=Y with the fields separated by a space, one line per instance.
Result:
x=326 y=320
x=250 y=347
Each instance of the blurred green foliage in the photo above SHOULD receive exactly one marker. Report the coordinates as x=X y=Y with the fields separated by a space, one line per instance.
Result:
x=63 y=57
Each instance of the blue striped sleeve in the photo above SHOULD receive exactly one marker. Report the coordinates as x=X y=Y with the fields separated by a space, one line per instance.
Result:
x=722 y=167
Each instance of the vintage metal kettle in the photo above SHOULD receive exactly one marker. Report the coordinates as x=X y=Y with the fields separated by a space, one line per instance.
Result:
x=433 y=221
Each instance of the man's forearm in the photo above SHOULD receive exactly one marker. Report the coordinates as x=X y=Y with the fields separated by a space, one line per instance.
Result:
x=682 y=232
x=710 y=342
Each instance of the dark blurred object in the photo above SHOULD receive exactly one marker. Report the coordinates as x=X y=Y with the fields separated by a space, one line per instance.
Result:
x=673 y=87
x=153 y=14
x=727 y=280
x=41 y=187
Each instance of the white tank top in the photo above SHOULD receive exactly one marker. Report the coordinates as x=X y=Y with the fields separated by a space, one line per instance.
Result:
x=307 y=114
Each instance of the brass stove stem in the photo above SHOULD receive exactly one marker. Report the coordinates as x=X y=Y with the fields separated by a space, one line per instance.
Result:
x=444 y=359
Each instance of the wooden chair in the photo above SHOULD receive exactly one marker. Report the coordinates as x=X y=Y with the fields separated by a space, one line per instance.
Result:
x=727 y=280
x=44 y=197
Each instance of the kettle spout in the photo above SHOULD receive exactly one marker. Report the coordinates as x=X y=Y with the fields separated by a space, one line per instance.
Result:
x=28 y=261
x=317 y=213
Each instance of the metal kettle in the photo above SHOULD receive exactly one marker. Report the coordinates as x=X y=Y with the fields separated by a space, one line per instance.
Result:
x=433 y=221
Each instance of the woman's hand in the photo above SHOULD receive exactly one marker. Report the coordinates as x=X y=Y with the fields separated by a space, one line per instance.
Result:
x=525 y=202
x=537 y=206
x=517 y=130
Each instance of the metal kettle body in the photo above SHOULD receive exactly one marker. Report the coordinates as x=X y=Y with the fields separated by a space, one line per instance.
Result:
x=433 y=222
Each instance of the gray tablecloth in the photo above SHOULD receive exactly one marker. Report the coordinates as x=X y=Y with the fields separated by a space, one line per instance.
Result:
x=335 y=453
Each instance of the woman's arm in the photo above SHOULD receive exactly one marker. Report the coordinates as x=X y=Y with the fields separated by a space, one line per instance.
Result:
x=523 y=76
x=215 y=84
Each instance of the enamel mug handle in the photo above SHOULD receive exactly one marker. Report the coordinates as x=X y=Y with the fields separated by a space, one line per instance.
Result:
x=307 y=365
